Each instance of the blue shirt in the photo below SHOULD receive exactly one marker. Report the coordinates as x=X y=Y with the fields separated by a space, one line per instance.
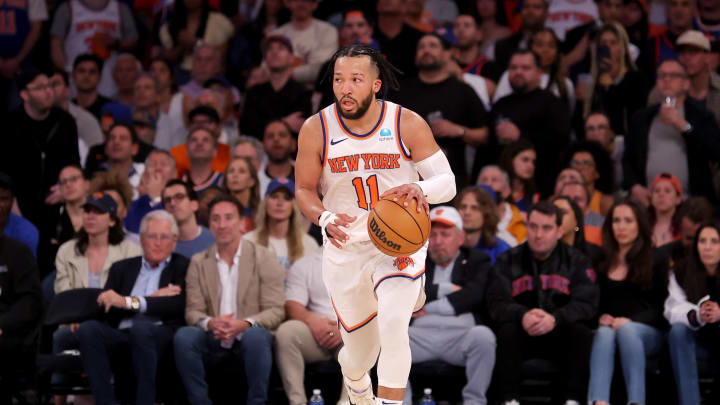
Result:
x=188 y=248
x=493 y=252
x=137 y=211
x=146 y=283
x=23 y=230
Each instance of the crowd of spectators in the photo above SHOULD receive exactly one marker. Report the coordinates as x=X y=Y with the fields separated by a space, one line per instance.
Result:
x=147 y=154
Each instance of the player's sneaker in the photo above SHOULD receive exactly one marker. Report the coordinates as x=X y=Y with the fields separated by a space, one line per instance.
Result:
x=361 y=398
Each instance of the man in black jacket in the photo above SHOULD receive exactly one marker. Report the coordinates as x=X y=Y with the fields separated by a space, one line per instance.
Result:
x=144 y=299
x=36 y=142
x=541 y=295
x=20 y=310
x=663 y=138
x=450 y=326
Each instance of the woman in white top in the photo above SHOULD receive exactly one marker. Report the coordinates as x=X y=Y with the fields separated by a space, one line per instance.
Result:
x=692 y=308
x=279 y=224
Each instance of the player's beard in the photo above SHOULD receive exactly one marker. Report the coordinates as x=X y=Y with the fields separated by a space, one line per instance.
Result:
x=362 y=107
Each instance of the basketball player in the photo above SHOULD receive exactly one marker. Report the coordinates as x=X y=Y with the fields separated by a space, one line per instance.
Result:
x=359 y=149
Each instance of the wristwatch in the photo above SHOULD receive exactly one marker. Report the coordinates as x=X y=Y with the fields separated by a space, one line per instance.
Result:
x=135 y=304
x=687 y=129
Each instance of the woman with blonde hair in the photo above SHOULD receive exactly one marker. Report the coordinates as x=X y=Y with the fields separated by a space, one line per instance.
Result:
x=241 y=181
x=280 y=225
x=618 y=88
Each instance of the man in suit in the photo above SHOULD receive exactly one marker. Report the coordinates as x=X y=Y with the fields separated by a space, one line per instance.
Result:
x=20 y=310
x=235 y=297
x=144 y=299
x=450 y=325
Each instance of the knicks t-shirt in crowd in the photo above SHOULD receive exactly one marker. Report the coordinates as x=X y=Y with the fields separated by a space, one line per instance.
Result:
x=451 y=100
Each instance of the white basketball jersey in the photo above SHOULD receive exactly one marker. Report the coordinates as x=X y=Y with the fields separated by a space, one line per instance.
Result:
x=358 y=168
x=84 y=23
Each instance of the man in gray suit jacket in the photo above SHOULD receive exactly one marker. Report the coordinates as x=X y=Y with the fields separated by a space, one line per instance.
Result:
x=235 y=295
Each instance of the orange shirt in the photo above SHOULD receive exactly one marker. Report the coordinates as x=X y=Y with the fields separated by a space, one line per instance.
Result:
x=182 y=162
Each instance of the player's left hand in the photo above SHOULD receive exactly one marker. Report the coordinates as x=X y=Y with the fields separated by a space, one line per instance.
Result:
x=411 y=191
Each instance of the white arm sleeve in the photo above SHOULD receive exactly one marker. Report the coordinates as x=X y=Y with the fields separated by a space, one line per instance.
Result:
x=438 y=182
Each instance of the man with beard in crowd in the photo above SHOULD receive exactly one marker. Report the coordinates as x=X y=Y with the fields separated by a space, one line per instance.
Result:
x=453 y=110
x=280 y=147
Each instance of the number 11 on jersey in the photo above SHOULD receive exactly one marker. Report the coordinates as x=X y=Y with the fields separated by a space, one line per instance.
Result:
x=372 y=186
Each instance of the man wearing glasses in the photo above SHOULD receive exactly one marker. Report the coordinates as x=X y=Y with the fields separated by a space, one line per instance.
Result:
x=181 y=201
x=38 y=141
x=663 y=137
x=144 y=299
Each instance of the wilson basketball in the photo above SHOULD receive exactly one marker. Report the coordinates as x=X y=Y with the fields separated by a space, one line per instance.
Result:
x=397 y=230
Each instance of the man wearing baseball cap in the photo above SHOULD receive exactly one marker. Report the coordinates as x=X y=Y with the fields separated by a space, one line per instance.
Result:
x=665 y=136
x=450 y=327
x=279 y=96
x=692 y=48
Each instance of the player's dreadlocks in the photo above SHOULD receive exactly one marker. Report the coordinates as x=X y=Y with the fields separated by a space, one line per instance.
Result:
x=386 y=71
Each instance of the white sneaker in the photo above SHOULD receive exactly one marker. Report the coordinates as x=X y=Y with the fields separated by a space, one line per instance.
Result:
x=572 y=402
x=512 y=402
x=364 y=398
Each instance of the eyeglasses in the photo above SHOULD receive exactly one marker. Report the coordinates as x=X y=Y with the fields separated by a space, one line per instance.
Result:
x=163 y=237
x=174 y=198
x=68 y=180
x=670 y=75
x=585 y=163
x=41 y=87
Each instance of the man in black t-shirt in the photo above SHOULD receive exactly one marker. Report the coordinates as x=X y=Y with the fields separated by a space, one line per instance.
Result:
x=87 y=70
x=278 y=98
x=396 y=39
x=532 y=113
x=37 y=141
x=453 y=110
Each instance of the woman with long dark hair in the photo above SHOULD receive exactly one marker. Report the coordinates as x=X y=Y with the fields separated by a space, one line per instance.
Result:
x=84 y=262
x=631 y=300
x=573 y=229
x=518 y=160
x=694 y=315
x=492 y=22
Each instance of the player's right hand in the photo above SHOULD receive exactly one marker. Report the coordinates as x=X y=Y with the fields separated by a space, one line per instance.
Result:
x=334 y=230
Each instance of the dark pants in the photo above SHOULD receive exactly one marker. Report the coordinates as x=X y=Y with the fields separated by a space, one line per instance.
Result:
x=15 y=357
x=568 y=346
x=147 y=342
x=196 y=349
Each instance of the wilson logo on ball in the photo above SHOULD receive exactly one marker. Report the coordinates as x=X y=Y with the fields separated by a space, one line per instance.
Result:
x=380 y=236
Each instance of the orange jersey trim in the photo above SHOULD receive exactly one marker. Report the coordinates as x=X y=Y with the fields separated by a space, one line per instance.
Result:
x=326 y=137
x=404 y=275
x=353 y=135
x=347 y=328
x=404 y=155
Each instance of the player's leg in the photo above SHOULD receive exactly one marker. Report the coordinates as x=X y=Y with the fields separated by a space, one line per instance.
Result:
x=397 y=297
x=358 y=355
